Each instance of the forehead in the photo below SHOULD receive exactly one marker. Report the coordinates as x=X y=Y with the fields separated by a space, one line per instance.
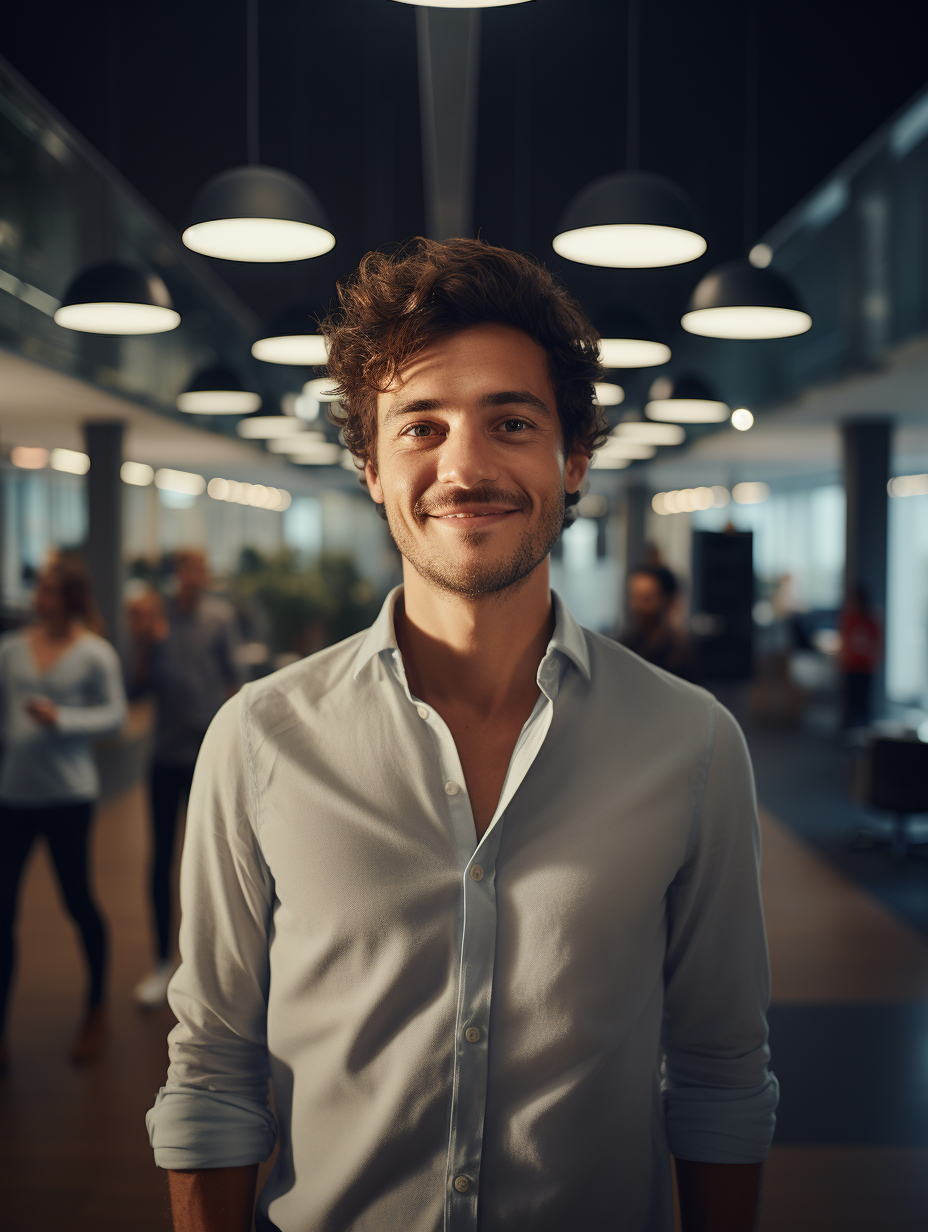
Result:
x=471 y=362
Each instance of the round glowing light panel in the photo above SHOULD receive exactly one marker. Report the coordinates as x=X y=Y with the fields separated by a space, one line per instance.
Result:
x=258 y=239
x=300 y=350
x=218 y=402
x=632 y=353
x=686 y=410
x=607 y=394
x=629 y=245
x=116 y=318
x=462 y=4
x=268 y=427
x=746 y=322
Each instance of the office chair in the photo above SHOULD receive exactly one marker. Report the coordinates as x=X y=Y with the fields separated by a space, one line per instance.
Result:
x=896 y=780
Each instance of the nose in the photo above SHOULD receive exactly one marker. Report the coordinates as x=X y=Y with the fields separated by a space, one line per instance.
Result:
x=466 y=458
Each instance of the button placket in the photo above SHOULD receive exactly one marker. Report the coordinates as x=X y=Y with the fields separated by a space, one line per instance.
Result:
x=478 y=949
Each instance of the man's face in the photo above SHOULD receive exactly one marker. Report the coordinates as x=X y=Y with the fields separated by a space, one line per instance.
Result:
x=470 y=463
x=646 y=599
x=192 y=574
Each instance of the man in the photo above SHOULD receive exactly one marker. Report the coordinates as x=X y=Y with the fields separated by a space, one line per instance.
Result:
x=653 y=593
x=457 y=882
x=185 y=653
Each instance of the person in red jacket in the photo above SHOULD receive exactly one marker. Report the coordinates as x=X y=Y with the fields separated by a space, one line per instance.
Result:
x=861 y=655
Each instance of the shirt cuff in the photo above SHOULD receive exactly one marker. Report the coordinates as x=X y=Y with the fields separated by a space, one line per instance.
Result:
x=715 y=1125
x=190 y=1128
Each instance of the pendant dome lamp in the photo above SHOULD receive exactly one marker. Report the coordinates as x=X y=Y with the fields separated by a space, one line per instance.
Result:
x=256 y=213
x=687 y=400
x=737 y=300
x=630 y=220
x=217 y=391
x=744 y=299
x=117 y=299
x=462 y=4
x=292 y=339
x=628 y=341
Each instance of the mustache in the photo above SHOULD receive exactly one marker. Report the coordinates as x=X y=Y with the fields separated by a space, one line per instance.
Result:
x=428 y=506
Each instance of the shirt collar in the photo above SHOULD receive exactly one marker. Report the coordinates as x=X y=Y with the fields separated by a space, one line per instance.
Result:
x=567 y=637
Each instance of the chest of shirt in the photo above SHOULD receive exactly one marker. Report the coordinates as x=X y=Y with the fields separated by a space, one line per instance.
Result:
x=71 y=680
x=358 y=832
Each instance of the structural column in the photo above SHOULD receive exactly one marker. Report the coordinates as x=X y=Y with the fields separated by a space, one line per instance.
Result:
x=866 y=445
x=103 y=550
x=637 y=503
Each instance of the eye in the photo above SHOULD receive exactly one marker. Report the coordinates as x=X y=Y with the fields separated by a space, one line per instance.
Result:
x=418 y=429
x=513 y=426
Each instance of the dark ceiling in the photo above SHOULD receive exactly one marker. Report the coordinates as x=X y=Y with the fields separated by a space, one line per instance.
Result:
x=160 y=89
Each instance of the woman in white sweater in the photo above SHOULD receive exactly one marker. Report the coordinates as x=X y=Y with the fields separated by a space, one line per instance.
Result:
x=60 y=688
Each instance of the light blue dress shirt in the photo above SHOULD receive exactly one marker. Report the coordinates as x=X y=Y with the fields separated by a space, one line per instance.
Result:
x=497 y=1035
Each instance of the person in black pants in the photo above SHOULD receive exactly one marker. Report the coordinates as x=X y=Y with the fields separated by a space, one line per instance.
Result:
x=185 y=654
x=60 y=686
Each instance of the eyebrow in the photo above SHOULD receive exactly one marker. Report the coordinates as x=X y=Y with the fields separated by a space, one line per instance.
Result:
x=503 y=397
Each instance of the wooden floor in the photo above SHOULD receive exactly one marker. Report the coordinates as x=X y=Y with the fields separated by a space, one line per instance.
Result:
x=831 y=942
x=74 y=1155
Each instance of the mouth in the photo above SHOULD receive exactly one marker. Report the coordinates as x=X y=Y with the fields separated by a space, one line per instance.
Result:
x=471 y=515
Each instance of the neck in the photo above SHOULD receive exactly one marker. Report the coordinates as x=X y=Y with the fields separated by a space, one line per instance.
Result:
x=483 y=653
x=187 y=600
x=58 y=628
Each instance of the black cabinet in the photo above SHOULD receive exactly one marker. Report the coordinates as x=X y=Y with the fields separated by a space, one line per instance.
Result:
x=722 y=603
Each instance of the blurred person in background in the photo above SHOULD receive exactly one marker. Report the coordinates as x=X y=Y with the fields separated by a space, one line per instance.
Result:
x=860 y=656
x=184 y=653
x=60 y=687
x=652 y=630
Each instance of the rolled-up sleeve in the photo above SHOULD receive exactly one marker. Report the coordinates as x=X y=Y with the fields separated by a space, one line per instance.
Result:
x=213 y=1111
x=719 y=1095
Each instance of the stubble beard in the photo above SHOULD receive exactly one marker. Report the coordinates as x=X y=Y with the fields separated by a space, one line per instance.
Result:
x=479 y=579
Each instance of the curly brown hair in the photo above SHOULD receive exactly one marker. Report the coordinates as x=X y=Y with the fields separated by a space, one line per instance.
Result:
x=396 y=304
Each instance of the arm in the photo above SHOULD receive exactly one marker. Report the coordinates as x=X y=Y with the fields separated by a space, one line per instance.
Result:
x=214 y=1199
x=109 y=714
x=718 y=1197
x=719 y=1096
x=212 y=1115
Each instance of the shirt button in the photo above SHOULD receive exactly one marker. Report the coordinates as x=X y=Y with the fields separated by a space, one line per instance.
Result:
x=451 y=789
x=472 y=1034
x=423 y=713
x=462 y=1184
x=477 y=873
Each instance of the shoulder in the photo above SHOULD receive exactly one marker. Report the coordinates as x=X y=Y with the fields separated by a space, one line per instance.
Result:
x=98 y=649
x=664 y=709
x=13 y=639
x=298 y=691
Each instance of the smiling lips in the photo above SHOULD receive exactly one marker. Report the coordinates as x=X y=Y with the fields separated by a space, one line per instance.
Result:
x=467 y=514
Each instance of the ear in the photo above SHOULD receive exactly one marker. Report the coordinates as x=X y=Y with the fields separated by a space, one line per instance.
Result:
x=373 y=483
x=575 y=469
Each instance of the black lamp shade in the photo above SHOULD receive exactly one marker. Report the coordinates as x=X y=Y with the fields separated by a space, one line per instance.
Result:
x=629 y=341
x=117 y=299
x=292 y=338
x=630 y=220
x=217 y=391
x=686 y=400
x=738 y=300
x=258 y=214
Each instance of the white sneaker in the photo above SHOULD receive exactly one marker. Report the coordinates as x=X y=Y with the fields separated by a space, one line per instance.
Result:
x=153 y=991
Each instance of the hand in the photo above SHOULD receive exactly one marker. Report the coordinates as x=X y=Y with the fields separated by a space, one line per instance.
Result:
x=42 y=710
x=146 y=619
